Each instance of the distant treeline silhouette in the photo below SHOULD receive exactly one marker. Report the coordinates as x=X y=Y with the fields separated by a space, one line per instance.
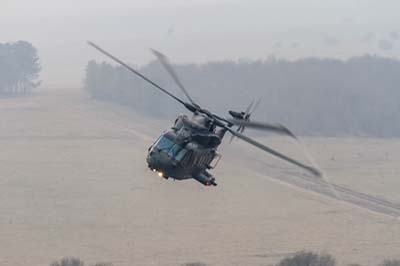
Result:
x=328 y=97
x=19 y=67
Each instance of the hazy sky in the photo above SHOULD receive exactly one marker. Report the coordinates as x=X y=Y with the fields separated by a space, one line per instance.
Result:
x=197 y=30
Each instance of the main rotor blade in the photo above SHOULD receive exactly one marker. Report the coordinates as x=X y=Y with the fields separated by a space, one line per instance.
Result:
x=138 y=74
x=278 y=128
x=167 y=65
x=274 y=152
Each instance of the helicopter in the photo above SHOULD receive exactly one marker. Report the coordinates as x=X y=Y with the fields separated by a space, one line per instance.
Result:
x=188 y=150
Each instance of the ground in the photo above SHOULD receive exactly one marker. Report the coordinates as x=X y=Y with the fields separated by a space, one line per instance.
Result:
x=74 y=182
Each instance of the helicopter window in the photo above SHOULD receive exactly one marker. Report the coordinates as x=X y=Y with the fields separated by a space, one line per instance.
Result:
x=174 y=150
x=179 y=156
x=164 y=143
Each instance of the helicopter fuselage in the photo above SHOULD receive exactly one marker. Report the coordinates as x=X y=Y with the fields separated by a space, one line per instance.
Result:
x=187 y=150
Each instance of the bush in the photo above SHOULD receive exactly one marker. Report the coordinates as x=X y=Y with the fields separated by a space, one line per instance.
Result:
x=390 y=263
x=304 y=258
x=68 y=261
x=72 y=261
x=194 y=264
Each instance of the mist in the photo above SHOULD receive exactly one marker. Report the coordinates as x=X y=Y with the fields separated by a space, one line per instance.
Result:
x=197 y=31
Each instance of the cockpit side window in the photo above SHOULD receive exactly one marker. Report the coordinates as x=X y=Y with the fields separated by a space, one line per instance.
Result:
x=174 y=150
x=180 y=155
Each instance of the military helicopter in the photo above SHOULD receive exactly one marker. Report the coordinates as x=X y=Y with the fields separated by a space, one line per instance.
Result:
x=188 y=150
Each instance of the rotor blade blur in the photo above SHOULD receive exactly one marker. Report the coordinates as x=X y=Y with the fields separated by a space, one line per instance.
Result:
x=255 y=106
x=239 y=129
x=263 y=126
x=167 y=65
x=231 y=139
x=137 y=73
x=249 y=108
x=246 y=118
x=274 y=152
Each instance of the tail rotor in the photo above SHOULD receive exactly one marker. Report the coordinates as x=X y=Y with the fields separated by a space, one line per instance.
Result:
x=244 y=116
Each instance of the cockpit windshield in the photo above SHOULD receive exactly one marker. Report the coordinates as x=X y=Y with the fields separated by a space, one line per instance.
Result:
x=164 y=144
x=174 y=150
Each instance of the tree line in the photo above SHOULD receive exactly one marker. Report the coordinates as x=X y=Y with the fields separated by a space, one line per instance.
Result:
x=19 y=67
x=359 y=96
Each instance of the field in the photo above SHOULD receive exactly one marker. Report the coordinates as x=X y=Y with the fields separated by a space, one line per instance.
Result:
x=74 y=182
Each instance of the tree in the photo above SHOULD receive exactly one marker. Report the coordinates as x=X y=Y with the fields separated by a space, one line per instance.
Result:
x=19 y=67
x=311 y=96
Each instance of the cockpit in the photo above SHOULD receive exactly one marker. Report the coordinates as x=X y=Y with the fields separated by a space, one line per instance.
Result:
x=167 y=145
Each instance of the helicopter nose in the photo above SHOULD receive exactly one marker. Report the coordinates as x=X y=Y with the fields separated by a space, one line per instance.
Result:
x=158 y=161
x=153 y=161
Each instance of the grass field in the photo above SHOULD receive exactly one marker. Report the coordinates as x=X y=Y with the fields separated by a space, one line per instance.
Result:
x=74 y=182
